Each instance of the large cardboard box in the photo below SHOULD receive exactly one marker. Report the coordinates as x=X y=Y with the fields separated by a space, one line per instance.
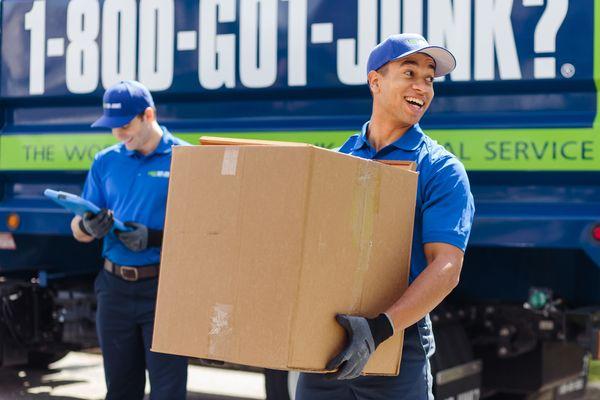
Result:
x=264 y=245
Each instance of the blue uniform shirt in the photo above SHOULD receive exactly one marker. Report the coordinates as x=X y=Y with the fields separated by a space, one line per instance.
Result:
x=444 y=208
x=135 y=187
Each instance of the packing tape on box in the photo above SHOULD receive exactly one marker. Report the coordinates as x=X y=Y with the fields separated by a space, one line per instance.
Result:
x=365 y=206
x=230 y=159
x=220 y=328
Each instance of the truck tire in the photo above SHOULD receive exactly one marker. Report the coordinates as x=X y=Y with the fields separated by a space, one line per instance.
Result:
x=281 y=385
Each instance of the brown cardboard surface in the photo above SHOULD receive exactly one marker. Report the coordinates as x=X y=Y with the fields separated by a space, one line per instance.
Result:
x=263 y=245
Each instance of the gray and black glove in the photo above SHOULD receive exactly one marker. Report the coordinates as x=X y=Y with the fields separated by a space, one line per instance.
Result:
x=364 y=335
x=97 y=225
x=139 y=237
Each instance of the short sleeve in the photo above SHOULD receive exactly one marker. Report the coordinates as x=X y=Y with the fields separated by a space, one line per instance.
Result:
x=448 y=206
x=93 y=189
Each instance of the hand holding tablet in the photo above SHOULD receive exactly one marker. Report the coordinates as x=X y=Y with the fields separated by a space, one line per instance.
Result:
x=78 y=205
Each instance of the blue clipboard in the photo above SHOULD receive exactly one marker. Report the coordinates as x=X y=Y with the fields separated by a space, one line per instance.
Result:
x=78 y=206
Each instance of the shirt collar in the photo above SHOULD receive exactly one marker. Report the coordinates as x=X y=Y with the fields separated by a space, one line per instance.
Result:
x=410 y=141
x=164 y=145
x=362 y=140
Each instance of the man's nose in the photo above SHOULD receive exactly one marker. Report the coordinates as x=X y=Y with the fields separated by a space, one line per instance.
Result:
x=420 y=86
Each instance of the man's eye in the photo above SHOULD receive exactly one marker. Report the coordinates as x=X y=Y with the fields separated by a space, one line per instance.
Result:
x=408 y=73
x=430 y=79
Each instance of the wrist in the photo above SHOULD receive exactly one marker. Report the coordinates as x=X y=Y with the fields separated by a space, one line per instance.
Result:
x=381 y=328
x=82 y=228
x=155 y=238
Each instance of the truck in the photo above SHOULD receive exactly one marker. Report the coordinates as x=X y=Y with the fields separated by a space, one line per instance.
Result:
x=521 y=111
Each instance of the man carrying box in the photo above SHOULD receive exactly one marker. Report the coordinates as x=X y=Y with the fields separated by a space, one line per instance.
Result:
x=401 y=71
x=130 y=179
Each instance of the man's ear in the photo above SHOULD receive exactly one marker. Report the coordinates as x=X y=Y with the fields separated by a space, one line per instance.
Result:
x=373 y=81
x=149 y=114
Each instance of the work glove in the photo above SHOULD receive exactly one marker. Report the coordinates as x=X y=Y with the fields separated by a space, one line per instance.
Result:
x=97 y=225
x=140 y=237
x=364 y=335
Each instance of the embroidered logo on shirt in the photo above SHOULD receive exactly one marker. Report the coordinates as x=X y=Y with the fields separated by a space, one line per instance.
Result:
x=159 y=174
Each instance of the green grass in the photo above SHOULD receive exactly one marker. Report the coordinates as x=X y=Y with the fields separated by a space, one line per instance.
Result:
x=594 y=375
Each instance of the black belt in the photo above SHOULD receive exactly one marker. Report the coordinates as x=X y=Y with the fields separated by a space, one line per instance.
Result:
x=131 y=274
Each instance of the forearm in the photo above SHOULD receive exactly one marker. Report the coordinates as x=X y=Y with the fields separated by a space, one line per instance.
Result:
x=78 y=234
x=426 y=292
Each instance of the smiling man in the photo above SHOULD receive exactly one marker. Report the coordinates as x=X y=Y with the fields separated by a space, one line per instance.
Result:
x=401 y=72
x=129 y=181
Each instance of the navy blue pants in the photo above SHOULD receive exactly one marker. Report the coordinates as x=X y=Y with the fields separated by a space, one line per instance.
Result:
x=124 y=320
x=414 y=382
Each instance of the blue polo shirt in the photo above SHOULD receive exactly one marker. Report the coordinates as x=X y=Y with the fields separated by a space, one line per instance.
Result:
x=444 y=208
x=135 y=187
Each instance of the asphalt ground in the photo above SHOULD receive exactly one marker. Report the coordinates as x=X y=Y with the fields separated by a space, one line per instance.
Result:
x=79 y=376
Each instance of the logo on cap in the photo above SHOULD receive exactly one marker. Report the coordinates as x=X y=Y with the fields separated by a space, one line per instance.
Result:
x=417 y=42
x=112 y=106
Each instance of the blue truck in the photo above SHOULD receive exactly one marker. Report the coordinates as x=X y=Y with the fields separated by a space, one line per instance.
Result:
x=521 y=111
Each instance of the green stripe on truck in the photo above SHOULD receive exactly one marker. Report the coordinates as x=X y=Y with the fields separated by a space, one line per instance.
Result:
x=483 y=150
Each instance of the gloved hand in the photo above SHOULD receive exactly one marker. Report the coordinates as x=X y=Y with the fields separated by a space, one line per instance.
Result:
x=140 y=237
x=136 y=239
x=97 y=225
x=364 y=335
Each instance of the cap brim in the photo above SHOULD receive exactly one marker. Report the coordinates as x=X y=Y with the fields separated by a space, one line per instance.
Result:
x=444 y=60
x=112 y=122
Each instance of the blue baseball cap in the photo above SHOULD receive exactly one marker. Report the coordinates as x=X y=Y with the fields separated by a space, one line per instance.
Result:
x=402 y=45
x=122 y=102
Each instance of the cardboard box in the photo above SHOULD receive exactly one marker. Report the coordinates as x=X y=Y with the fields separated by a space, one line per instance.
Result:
x=264 y=245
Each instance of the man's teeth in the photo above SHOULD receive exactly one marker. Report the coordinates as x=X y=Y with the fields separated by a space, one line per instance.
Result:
x=416 y=101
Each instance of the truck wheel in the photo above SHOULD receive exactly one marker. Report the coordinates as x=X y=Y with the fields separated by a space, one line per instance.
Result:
x=41 y=360
x=281 y=385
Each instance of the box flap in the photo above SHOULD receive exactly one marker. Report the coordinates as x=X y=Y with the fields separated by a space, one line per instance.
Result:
x=225 y=141
x=409 y=165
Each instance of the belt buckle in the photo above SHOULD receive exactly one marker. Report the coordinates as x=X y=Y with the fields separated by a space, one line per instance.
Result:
x=125 y=273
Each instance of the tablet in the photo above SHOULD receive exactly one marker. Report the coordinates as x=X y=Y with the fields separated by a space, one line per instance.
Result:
x=78 y=205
